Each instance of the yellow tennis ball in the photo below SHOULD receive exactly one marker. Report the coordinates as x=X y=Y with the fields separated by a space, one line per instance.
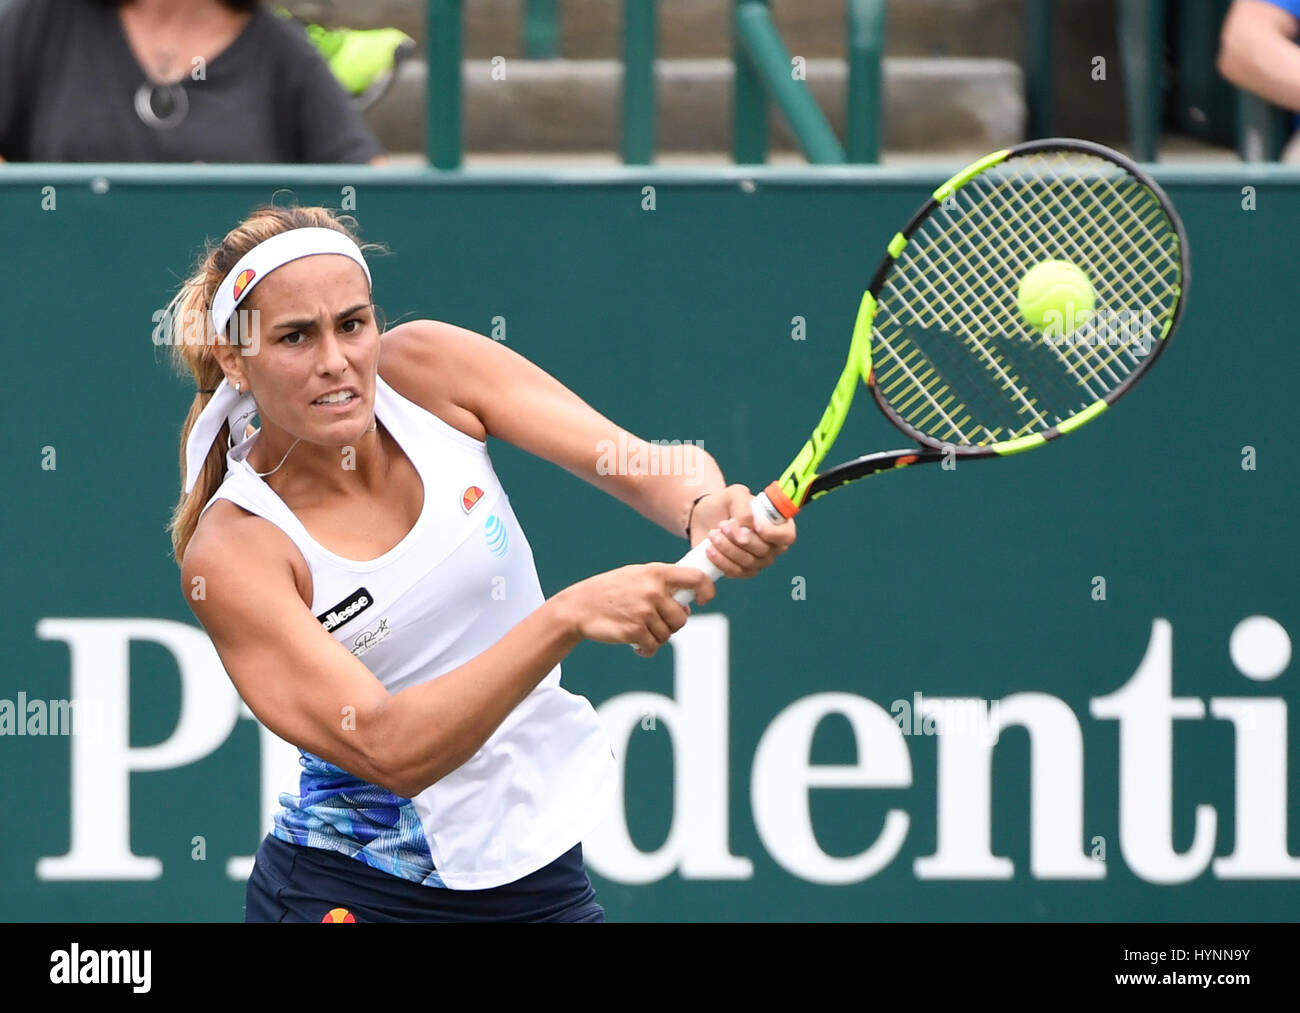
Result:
x=1056 y=294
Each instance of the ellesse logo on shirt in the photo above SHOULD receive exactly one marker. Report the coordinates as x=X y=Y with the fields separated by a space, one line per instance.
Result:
x=346 y=610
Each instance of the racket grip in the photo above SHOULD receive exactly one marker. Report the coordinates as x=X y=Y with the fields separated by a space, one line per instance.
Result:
x=698 y=558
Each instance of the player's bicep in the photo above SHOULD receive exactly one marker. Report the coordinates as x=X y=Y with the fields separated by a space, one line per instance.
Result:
x=519 y=402
x=296 y=678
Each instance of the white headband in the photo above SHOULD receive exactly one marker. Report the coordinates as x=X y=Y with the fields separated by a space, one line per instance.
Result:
x=275 y=252
x=228 y=406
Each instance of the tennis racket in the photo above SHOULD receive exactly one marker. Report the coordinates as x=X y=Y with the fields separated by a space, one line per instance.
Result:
x=1028 y=294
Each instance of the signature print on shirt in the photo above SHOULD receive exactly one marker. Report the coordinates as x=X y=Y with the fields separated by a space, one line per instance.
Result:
x=371 y=638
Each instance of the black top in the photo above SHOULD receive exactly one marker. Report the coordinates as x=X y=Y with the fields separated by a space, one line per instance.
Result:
x=71 y=90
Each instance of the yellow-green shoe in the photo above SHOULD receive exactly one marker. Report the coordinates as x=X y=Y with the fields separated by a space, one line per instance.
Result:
x=365 y=61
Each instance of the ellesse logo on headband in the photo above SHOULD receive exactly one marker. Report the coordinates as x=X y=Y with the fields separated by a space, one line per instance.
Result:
x=346 y=610
x=241 y=283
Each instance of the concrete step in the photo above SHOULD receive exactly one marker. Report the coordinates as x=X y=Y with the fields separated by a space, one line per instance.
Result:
x=574 y=105
x=591 y=29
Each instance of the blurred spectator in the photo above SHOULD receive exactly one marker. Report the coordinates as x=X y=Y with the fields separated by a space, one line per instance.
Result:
x=169 y=81
x=1258 y=52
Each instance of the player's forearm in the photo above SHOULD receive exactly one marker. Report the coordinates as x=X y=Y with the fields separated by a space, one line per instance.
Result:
x=431 y=729
x=665 y=491
x=1258 y=58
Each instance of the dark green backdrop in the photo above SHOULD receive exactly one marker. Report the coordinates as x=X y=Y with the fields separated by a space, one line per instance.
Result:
x=676 y=322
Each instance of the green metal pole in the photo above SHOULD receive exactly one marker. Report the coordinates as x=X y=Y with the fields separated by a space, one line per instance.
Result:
x=763 y=44
x=541 y=37
x=638 y=82
x=1040 y=48
x=444 y=126
x=749 y=102
x=1142 y=41
x=866 y=92
x=1261 y=133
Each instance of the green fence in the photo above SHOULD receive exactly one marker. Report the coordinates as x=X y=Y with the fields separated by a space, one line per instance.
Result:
x=1141 y=769
x=1154 y=37
x=763 y=74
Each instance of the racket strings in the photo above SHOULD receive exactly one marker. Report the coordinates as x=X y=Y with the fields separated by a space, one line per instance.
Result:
x=1010 y=383
x=1074 y=238
x=1083 y=344
x=976 y=271
x=1019 y=269
x=1146 y=295
x=982 y=264
x=954 y=357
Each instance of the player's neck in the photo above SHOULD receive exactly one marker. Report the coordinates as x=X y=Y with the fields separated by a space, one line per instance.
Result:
x=316 y=472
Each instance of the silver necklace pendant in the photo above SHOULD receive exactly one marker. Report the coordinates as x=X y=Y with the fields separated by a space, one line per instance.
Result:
x=161 y=106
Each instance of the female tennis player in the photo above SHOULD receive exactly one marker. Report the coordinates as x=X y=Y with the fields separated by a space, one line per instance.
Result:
x=362 y=575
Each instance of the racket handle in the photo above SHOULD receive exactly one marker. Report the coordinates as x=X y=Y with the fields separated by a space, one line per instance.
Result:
x=698 y=558
x=761 y=506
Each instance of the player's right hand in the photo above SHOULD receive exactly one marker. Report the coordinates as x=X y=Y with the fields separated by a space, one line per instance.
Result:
x=634 y=604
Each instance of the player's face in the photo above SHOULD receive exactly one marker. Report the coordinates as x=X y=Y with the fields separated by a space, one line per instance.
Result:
x=318 y=339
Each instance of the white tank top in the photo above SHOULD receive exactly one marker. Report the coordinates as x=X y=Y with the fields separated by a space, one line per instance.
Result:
x=460 y=580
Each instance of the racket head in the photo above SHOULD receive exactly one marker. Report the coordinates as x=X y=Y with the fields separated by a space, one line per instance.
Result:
x=953 y=362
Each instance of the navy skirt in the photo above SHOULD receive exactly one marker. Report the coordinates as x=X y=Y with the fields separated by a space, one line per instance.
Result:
x=293 y=883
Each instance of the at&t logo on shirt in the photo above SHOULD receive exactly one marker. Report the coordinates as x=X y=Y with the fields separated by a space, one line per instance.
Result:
x=498 y=537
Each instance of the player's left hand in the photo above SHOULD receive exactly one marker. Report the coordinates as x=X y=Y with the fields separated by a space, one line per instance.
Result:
x=741 y=544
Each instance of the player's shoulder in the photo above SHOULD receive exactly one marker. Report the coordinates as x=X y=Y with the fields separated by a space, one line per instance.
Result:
x=417 y=344
x=439 y=367
x=229 y=540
